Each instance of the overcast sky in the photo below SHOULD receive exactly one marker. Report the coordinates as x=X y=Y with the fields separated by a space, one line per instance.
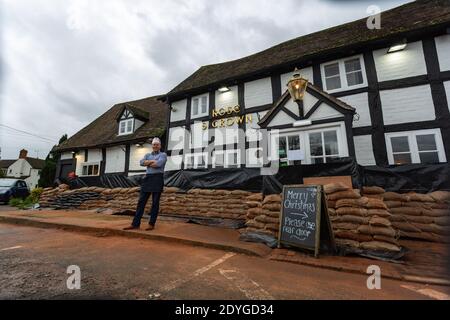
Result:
x=65 y=62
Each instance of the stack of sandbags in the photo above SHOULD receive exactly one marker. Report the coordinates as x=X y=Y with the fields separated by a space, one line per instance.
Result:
x=263 y=216
x=225 y=204
x=360 y=222
x=420 y=216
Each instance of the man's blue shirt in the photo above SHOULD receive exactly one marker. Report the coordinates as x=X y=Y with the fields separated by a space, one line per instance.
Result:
x=161 y=159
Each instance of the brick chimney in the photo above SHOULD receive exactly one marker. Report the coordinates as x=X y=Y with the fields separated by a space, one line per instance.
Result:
x=23 y=154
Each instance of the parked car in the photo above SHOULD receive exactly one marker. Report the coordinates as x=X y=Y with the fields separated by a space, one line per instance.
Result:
x=13 y=188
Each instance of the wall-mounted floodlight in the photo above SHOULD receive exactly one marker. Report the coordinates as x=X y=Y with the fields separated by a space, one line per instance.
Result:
x=397 y=47
x=224 y=89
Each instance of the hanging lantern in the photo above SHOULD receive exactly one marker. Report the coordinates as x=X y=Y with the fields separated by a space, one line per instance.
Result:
x=297 y=86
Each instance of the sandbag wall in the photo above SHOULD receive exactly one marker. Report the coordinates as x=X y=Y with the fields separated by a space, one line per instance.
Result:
x=360 y=222
x=420 y=216
x=223 y=204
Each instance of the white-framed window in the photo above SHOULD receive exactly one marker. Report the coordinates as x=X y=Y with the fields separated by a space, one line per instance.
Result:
x=126 y=127
x=90 y=169
x=315 y=144
x=195 y=161
x=199 y=106
x=323 y=146
x=226 y=158
x=344 y=74
x=420 y=146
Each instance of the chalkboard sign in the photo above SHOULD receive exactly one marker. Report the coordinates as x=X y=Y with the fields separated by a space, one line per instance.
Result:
x=302 y=211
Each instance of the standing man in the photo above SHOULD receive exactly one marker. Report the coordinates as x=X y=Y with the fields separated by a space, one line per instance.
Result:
x=152 y=183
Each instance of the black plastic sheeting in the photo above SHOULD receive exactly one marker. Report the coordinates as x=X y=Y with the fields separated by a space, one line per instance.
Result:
x=418 y=178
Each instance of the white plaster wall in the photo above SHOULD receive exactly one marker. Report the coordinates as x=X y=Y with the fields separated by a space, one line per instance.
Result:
x=258 y=93
x=401 y=64
x=19 y=168
x=174 y=163
x=325 y=112
x=227 y=99
x=137 y=124
x=443 y=50
x=361 y=103
x=447 y=91
x=252 y=160
x=66 y=155
x=307 y=73
x=292 y=107
x=176 y=138
x=80 y=160
x=364 y=150
x=94 y=155
x=115 y=159
x=137 y=154
x=281 y=119
x=180 y=113
x=308 y=102
x=32 y=181
x=407 y=105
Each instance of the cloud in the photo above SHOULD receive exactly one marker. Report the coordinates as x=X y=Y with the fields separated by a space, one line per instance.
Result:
x=63 y=63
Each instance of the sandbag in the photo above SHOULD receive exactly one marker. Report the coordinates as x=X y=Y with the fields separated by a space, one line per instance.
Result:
x=393 y=204
x=374 y=196
x=420 y=197
x=436 y=213
x=352 y=235
x=353 y=219
x=379 y=213
x=417 y=204
x=372 y=190
x=376 y=204
x=347 y=243
x=382 y=231
x=253 y=204
x=273 y=226
x=255 y=224
x=272 y=198
x=272 y=206
x=442 y=221
x=335 y=187
x=386 y=239
x=379 y=246
x=393 y=196
x=331 y=204
x=360 y=212
x=410 y=211
x=418 y=219
x=349 y=194
x=331 y=212
x=379 y=222
x=361 y=202
x=345 y=226
x=255 y=197
x=405 y=226
x=440 y=196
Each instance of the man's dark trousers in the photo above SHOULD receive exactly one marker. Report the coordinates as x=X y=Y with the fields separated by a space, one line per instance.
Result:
x=143 y=198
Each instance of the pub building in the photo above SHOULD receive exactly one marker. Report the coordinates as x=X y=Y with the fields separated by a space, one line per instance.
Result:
x=380 y=96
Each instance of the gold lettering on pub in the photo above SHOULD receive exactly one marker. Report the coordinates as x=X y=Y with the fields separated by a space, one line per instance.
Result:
x=227 y=122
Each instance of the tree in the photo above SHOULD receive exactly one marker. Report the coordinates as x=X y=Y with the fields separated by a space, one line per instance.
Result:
x=47 y=176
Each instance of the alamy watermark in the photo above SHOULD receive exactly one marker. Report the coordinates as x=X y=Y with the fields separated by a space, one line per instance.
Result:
x=73 y=282
x=374 y=280
x=374 y=20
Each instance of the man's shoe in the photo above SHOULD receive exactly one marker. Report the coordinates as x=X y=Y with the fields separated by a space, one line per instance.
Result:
x=150 y=227
x=130 y=228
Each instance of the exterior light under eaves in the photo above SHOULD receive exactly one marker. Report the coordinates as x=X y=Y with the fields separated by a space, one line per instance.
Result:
x=297 y=86
x=397 y=47
x=224 y=89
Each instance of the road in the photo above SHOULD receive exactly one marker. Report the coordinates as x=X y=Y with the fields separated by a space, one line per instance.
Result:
x=34 y=265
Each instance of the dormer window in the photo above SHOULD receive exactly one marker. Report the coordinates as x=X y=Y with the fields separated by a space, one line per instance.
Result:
x=126 y=126
x=131 y=119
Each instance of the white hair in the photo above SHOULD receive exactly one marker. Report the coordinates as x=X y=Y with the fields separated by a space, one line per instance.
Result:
x=156 y=140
